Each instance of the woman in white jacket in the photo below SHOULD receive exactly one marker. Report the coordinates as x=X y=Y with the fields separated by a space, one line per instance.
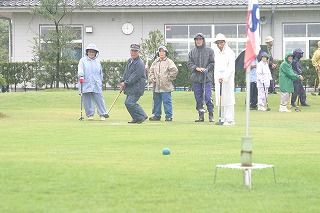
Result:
x=263 y=80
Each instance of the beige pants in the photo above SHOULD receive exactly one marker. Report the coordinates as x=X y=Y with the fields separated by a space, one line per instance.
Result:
x=285 y=96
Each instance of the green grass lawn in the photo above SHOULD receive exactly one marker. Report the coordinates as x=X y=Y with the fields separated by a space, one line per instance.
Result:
x=52 y=162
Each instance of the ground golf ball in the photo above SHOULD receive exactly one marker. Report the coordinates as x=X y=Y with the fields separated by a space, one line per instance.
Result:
x=166 y=151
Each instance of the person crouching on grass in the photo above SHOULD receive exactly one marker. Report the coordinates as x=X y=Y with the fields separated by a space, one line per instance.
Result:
x=132 y=83
x=90 y=77
x=286 y=78
x=263 y=80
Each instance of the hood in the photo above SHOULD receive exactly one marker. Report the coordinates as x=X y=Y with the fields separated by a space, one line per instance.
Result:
x=220 y=37
x=298 y=53
x=92 y=47
x=289 y=53
x=200 y=35
x=164 y=48
x=264 y=54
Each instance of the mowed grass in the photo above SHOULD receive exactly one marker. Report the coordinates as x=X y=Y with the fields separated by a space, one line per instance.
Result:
x=52 y=162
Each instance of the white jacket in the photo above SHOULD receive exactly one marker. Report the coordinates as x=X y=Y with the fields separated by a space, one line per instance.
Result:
x=224 y=68
x=263 y=74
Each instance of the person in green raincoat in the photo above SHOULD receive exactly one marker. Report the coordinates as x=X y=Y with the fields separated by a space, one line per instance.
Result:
x=286 y=78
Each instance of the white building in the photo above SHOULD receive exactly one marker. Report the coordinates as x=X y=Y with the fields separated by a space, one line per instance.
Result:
x=118 y=23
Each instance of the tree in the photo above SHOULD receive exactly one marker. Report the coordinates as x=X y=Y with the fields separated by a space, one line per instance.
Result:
x=4 y=40
x=58 y=42
x=150 y=45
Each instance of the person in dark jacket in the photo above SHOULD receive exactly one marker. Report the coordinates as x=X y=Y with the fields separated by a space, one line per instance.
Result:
x=133 y=83
x=201 y=64
x=272 y=66
x=298 y=87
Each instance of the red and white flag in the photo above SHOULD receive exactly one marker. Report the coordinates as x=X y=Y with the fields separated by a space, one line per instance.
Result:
x=253 y=33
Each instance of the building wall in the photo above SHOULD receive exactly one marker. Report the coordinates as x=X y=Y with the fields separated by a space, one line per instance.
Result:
x=114 y=45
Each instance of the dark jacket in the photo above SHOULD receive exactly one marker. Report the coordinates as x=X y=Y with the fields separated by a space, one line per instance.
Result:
x=287 y=76
x=134 y=77
x=270 y=59
x=296 y=65
x=201 y=57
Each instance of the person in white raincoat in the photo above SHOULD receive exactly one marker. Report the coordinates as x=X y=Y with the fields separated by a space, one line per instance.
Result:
x=224 y=72
x=263 y=80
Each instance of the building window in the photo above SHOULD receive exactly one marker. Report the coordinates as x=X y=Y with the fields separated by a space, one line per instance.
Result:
x=301 y=35
x=181 y=37
x=73 y=48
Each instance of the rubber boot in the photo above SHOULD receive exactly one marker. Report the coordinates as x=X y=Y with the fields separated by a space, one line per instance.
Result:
x=201 y=117
x=211 y=118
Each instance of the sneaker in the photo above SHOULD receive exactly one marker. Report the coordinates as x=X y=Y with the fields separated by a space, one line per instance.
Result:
x=284 y=109
x=142 y=120
x=102 y=118
x=90 y=118
x=155 y=118
x=168 y=119
x=253 y=108
x=132 y=122
x=305 y=104
x=262 y=109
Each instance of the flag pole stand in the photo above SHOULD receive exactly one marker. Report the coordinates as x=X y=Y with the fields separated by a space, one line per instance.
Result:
x=246 y=164
x=246 y=143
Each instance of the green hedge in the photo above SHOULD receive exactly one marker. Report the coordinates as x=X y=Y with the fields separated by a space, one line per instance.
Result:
x=41 y=77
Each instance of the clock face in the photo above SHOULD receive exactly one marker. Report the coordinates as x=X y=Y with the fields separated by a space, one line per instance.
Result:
x=127 y=28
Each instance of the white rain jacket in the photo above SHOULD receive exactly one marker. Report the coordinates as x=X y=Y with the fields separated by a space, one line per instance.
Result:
x=263 y=74
x=224 y=68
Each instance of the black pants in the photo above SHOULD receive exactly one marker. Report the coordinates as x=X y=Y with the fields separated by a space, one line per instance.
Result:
x=253 y=95
x=272 y=87
x=298 y=90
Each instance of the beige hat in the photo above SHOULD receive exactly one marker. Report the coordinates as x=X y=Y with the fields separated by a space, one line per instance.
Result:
x=268 y=39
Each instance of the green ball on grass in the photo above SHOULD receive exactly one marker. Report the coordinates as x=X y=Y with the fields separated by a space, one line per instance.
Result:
x=166 y=151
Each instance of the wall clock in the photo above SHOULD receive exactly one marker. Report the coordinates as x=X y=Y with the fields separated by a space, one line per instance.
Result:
x=127 y=28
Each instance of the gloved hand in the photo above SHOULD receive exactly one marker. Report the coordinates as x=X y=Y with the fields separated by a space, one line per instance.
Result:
x=81 y=79
x=205 y=71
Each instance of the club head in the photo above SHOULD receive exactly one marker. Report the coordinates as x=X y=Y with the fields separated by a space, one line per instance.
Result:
x=290 y=106
x=81 y=119
x=297 y=109
x=314 y=94
x=106 y=115
x=219 y=123
x=268 y=109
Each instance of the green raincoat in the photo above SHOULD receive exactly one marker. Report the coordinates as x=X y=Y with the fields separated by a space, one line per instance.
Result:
x=286 y=75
